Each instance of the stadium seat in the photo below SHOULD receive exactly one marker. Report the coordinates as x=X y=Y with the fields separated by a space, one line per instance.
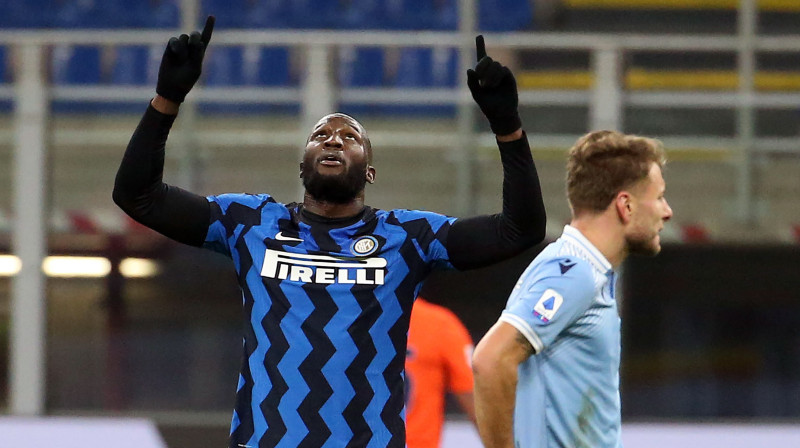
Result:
x=223 y=66
x=426 y=67
x=361 y=67
x=445 y=15
x=268 y=66
x=245 y=66
x=5 y=66
x=423 y=67
x=414 y=68
x=444 y=67
x=87 y=14
x=315 y=14
x=269 y=14
x=410 y=14
x=136 y=64
x=229 y=13
x=148 y=14
x=6 y=76
x=504 y=15
x=75 y=64
x=363 y=15
x=248 y=65
x=24 y=14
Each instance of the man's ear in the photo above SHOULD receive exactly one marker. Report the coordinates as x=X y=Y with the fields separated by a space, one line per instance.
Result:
x=370 y=174
x=301 y=170
x=624 y=205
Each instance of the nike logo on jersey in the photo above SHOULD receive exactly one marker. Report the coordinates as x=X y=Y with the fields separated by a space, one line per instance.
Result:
x=281 y=237
x=566 y=265
x=308 y=268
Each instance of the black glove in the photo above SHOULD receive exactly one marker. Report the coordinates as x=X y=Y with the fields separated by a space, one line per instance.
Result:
x=494 y=88
x=182 y=63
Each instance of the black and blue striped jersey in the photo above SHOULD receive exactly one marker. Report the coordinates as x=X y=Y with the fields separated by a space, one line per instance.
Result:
x=327 y=300
x=328 y=303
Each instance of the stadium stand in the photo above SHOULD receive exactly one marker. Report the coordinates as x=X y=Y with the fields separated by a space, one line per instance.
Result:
x=138 y=64
x=272 y=14
x=134 y=65
x=16 y=14
x=78 y=64
x=223 y=66
x=425 y=68
x=361 y=67
x=5 y=71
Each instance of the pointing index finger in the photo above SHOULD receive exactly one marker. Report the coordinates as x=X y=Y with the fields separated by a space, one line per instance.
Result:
x=207 y=30
x=480 y=46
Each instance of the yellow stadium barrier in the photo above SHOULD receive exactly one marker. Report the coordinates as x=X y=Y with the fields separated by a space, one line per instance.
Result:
x=643 y=79
x=763 y=5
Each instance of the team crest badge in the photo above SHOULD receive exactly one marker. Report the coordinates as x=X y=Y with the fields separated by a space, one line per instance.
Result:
x=364 y=246
x=548 y=305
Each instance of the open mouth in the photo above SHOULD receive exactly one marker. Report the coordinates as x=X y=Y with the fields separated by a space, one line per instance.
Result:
x=331 y=159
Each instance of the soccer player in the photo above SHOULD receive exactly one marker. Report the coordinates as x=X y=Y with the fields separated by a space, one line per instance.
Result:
x=438 y=362
x=328 y=283
x=547 y=373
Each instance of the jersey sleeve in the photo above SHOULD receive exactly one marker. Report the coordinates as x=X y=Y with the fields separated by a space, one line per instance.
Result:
x=457 y=349
x=549 y=299
x=429 y=232
x=139 y=189
x=230 y=213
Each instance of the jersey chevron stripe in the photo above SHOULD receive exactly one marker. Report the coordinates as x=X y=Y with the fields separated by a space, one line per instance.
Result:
x=325 y=343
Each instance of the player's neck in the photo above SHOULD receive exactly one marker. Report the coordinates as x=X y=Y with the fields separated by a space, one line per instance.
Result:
x=333 y=210
x=605 y=234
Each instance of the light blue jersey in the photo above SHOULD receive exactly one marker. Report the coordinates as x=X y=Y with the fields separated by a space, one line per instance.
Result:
x=568 y=392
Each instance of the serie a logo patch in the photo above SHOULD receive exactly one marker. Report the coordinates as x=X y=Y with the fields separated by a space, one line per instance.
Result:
x=548 y=305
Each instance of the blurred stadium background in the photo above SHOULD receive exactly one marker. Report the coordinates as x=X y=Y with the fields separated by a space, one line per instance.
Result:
x=122 y=323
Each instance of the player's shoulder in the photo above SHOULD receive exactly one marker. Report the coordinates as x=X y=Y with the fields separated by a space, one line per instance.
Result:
x=405 y=215
x=420 y=223
x=564 y=272
x=250 y=200
x=566 y=266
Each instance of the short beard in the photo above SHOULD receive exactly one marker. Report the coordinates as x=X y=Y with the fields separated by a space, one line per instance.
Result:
x=339 y=189
x=642 y=247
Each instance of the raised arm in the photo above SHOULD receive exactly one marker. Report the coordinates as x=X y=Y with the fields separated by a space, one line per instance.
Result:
x=138 y=188
x=483 y=240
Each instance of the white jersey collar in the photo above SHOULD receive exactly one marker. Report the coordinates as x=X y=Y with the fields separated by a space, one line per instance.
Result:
x=592 y=254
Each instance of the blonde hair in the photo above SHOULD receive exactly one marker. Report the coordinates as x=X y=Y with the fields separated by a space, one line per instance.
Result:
x=603 y=163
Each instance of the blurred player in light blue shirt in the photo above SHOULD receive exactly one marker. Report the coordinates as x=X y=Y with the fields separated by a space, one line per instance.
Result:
x=547 y=373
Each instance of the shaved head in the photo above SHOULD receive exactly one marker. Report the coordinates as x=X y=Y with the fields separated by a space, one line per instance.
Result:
x=354 y=123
